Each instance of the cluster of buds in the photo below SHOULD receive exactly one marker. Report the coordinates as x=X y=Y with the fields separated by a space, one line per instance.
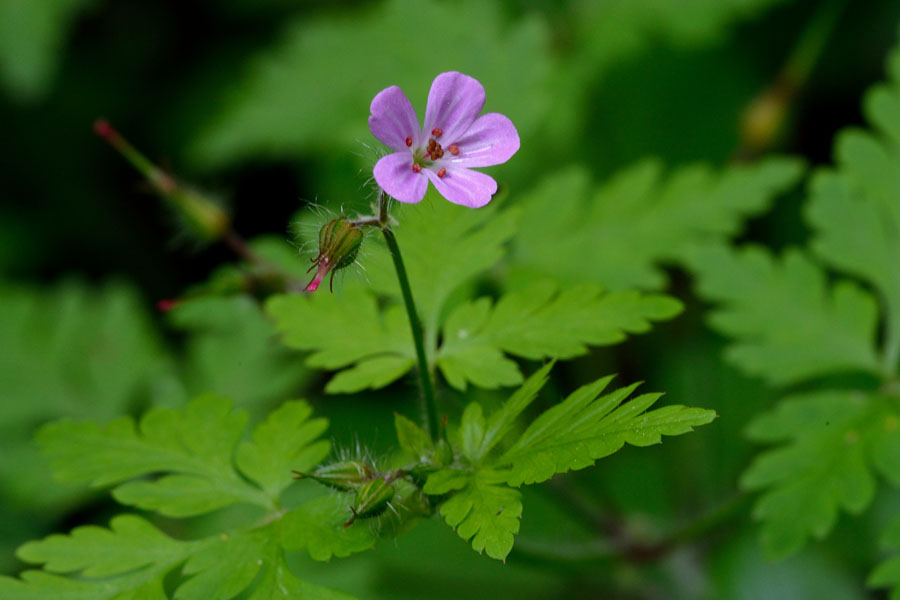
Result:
x=373 y=491
x=339 y=242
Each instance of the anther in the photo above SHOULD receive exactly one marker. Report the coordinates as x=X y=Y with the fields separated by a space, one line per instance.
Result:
x=437 y=132
x=454 y=149
x=408 y=141
x=442 y=172
x=417 y=168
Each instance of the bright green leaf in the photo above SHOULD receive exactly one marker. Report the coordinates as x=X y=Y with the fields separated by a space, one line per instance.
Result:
x=130 y=543
x=286 y=441
x=540 y=322
x=484 y=510
x=587 y=426
x=197 y=442
x=318 y=526
x=412 y=439
x=343 y=329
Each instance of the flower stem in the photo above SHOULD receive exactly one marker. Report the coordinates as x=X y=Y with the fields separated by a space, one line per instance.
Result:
x=429 y=408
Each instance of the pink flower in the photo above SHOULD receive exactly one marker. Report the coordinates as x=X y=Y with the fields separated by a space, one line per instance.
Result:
x=453 y=140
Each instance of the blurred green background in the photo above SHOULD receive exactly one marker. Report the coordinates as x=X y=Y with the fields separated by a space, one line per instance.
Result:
x=263 y=103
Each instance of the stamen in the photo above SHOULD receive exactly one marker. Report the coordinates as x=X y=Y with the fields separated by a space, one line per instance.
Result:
x=437 y=132
x=454 y=149
x=442 y=172
x=417 y=168
x=408 y=141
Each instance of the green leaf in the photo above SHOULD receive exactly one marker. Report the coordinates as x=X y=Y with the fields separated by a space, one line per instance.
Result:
x=130 y=543
x=240 y=554
x=787 y=323
x=444 y=246
x=587 y=426
x=344 y=329
x=619 y=234
x=482 y=509
x=270 y=108
x=412 y=439
x=540 y=322
x=318 y=526
x=887 y=574
x=854 y=207
x=502 y=420
x=837 y=441
x=194 y=447
x=129 y=560
x=194 y=451
x=286 y=441
x=32 y=36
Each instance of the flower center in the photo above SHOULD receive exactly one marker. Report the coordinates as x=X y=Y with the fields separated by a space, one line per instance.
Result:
x=425 y=156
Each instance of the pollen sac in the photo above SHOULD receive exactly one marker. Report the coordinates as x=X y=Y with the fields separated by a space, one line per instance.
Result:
x=345 y=476
x=372 y=499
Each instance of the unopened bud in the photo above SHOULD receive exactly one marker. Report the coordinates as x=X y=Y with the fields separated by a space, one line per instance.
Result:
x=339 y=242
x=347 y=475
x=372 y=499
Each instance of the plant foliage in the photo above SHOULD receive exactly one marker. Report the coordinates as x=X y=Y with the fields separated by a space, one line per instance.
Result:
x=791 y=324
x=445 y=246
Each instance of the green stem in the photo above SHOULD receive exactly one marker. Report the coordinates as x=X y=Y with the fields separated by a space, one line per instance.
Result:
x=429 y=408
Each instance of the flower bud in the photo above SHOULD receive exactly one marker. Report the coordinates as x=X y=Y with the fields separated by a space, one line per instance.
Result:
x=339 y=242
x=372 y=499
x=347 y=475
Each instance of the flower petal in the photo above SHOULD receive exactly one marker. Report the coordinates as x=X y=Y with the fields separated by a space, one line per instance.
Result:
x=393 y=119
x=464 y=186
x=453 y=104
x=395 y=175
x=491 y=140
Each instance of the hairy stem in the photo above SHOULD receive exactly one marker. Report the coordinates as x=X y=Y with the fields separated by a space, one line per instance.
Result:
x=429 y=408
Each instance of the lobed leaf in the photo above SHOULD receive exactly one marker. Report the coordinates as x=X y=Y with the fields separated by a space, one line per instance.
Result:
x=540 y=322
x=193 y=449
x=130 y=543
x=481 y=508
x=837 y=441
x=619 y=234
x=344 y=329
x=587 y=426
x=318 y=526
x=788 y=325
x=854 y=207
x=288 y=440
